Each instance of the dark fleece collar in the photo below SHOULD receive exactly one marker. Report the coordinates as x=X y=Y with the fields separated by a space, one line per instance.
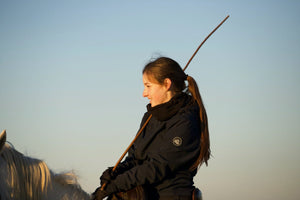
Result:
x=165 y=111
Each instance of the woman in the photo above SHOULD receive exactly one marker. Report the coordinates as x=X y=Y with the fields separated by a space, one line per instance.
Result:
x=165 y=157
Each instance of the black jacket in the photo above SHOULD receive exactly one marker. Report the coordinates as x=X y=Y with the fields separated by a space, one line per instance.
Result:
x=162 y=155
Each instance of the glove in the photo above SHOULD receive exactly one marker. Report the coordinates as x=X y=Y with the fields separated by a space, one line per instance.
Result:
x=107 y=176
x=99 y=194
x=122 y=167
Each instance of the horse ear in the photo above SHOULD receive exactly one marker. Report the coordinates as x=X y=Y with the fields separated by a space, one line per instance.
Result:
x=2 y=139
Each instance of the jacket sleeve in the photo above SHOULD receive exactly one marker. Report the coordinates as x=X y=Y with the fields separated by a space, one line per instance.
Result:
x=178 y=150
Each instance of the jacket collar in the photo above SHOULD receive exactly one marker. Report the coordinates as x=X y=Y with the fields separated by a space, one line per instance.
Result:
x=165 y=111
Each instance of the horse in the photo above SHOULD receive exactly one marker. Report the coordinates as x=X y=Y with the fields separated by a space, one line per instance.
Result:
x=26 y=178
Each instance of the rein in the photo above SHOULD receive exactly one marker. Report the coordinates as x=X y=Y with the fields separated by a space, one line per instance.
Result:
x=147 y=121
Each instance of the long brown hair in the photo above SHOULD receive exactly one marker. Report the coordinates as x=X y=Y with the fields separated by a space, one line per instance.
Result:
x=163 y=68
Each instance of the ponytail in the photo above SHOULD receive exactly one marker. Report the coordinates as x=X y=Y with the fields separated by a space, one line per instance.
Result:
x=204 y=133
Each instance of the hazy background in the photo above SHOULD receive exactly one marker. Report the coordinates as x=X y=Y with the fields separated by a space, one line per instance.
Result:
x=71 y=85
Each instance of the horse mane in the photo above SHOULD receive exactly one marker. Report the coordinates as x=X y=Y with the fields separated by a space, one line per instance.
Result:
x=30 y=178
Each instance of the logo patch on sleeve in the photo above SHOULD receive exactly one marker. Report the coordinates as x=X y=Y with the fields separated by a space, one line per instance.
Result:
x=177 y=141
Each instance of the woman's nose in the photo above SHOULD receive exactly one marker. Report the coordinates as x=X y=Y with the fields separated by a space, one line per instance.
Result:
x=145 y=94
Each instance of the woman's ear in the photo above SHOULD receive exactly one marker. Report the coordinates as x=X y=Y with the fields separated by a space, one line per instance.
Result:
x=167 y=83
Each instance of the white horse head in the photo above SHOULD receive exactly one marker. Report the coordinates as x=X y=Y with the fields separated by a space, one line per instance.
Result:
x=25 y=178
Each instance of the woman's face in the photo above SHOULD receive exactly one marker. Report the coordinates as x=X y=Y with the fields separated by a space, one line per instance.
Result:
x=155 y=92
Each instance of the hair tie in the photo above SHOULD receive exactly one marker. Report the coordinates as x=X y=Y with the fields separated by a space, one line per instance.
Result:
x=186 y=76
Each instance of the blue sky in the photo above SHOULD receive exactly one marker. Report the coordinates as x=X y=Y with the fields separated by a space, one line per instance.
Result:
x=71 y=85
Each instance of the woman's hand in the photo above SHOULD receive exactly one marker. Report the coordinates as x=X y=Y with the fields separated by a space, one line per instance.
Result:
x=99 y=194
x=107 y=176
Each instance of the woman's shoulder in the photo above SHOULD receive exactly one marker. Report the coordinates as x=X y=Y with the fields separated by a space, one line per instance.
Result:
x=184 y=127
x=189 y=112
x=187 y=118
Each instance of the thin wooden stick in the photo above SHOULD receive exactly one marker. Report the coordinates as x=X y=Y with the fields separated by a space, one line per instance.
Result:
x=137 y=135
x=125 y=152
x=204 y=42
x=2 y=139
